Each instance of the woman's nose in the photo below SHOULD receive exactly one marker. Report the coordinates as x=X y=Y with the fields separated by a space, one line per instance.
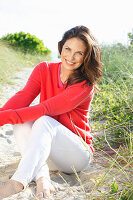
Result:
x=72 y=57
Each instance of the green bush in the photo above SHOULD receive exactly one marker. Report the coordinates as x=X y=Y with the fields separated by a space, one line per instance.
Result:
x=26 y=42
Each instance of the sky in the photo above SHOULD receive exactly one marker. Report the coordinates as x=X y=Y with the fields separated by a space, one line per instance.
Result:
x=109 y=20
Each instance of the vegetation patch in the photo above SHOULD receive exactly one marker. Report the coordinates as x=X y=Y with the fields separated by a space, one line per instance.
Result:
x=26 y=42
x=112 y=107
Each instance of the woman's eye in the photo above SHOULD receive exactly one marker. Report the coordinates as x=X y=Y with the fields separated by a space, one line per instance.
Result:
x=67 y=48
x=80 y=53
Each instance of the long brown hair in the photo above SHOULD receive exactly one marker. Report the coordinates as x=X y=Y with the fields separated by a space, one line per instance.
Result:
x=91 y=68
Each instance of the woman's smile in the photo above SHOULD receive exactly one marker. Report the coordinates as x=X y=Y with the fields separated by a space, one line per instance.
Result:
x=69 y=63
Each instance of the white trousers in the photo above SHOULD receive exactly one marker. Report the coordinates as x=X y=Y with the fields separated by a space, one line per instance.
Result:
x=47 y=144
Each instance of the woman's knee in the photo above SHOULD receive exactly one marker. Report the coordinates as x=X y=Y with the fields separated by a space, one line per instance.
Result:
x=22 y=130
x=25 y=126
x=22 y=133
x=45 y=121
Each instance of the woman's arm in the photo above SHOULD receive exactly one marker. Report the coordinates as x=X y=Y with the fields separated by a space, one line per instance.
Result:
x=25 y=97
x=59 y=104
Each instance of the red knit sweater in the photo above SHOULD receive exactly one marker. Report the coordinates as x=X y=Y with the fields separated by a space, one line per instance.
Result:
x=69 y=106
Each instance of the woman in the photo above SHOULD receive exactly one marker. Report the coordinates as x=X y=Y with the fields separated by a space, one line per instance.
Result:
x=56 y=130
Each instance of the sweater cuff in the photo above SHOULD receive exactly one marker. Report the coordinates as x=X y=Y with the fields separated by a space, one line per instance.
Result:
x=9 y=117
x=31 y=113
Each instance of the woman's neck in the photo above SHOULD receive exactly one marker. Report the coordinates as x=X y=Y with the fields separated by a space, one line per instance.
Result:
x=64 y=74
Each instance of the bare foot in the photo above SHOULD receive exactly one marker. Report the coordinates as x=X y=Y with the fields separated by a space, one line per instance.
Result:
x=44 y=188
x=9 y=188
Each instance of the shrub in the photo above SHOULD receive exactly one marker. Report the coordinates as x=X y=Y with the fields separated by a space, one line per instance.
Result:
x=26 y=42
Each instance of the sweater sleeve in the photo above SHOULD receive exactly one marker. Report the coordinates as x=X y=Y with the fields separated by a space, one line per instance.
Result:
x=24 y=97
x=64 y=102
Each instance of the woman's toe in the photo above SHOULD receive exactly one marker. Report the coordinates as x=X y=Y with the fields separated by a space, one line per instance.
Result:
x=40 y=196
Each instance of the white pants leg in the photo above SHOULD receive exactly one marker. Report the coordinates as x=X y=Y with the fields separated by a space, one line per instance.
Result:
x=47 y=139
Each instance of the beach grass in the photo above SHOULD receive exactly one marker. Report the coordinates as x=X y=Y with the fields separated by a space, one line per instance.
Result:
x=13 y=59
x=112 y=115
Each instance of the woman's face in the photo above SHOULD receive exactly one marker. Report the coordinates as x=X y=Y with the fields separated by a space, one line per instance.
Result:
x=73 y=53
